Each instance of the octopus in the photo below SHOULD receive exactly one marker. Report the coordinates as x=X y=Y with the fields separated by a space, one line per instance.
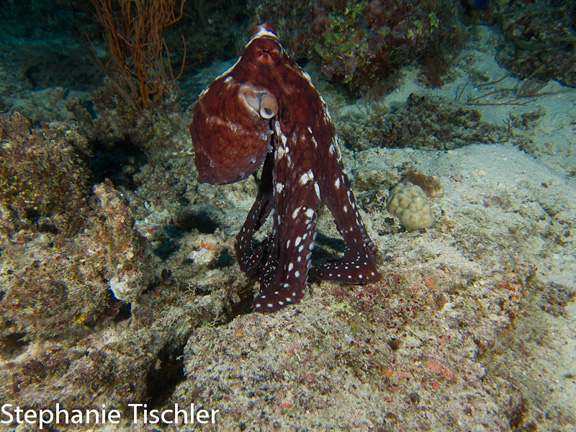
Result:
x=265 y=110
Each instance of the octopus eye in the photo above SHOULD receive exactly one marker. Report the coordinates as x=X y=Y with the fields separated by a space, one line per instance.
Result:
x=259 y=101
x=268 y=106
x=250 y=97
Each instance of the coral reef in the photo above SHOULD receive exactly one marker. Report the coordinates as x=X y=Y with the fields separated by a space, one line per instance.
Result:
x=361 y=43
x=61 y=323
x=44 y=179
x=539 y=39
x=364 y=346
x=128 y=290
x=428 y=123
x=130 y=356
x=58 y=283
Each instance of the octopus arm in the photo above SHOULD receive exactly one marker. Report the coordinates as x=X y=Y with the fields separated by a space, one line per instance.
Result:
x=250 y=257
x=359 y=262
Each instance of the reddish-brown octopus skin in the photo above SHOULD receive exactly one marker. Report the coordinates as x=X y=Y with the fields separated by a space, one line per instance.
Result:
x=232 y=133
x=230 y=140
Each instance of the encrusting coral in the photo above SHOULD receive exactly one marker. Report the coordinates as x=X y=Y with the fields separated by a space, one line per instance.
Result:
x=538 y=39
x=429 y=184
x=55 y=284
x=115 y=238
x=44 y=180
x=361 y=43
x=423 y=122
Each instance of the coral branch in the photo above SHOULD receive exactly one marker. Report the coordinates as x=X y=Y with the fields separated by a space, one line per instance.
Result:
x=138 y=50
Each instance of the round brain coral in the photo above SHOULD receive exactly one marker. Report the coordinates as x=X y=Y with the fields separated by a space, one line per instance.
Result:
x=409 y=203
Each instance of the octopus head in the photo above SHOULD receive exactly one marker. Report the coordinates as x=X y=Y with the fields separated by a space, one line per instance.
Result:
x=264 y=48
